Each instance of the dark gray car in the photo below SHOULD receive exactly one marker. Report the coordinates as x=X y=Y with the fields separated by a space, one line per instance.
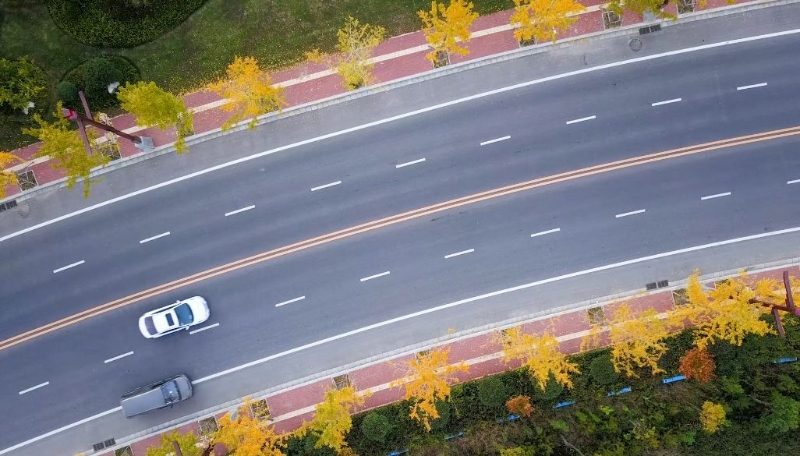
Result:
x=158 y=395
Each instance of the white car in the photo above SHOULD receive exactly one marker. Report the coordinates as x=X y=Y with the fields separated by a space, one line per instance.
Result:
x=174 y=317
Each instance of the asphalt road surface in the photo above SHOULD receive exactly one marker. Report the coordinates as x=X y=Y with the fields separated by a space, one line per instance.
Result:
x=487 y=143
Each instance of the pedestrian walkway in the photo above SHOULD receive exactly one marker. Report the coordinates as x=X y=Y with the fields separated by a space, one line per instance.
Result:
x=482 y=352
x=395 y=58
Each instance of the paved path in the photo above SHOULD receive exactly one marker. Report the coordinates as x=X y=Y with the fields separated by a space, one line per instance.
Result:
x=395 y=58
x=482 y=353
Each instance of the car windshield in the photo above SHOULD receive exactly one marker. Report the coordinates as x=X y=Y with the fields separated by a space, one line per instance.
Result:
x=184 y=313
x=170 y=392
x=149 y=325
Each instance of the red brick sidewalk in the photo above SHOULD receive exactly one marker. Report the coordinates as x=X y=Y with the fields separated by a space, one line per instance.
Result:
x=398 y=57
x=290 y=408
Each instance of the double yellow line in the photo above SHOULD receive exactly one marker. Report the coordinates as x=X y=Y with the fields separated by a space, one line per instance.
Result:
x=399 y=218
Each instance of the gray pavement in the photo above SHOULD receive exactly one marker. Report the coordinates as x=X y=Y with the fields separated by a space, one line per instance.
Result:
x=505 y=255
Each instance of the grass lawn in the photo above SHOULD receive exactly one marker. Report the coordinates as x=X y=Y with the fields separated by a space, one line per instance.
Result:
x=275 y=32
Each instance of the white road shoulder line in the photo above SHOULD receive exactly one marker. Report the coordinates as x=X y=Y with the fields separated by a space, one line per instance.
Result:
x=446 y=104
x=77 y=263
x=40 y=385
x=542 y=233
x=463 y=252
x=661 y=103
x=582 y=119
x=228 y=214
x=752 y=86
x=111 y=360
x=402 y=165
x=493 y=294
x=796 y=181
x=290 y=301
x=492 y=141
x=204 y=328
x=640 y=211
x=158 y=236
x=375 y=276
x=718 y=195
x=326 y=186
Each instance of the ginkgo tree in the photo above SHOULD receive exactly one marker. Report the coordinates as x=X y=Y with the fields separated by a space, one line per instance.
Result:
x=445 y=26
x=65 y=146
x=155 y=107
x=726 y=312
x=246 y=435
x=355 y=43
x=542 y=20
x=187 y=442
x=427 y=381
x=249 y=91
x=332 y=420
x=540 y=355
x=7 y=177
x=637 y=340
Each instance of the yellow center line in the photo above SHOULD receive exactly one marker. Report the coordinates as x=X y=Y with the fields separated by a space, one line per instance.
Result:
x=395 y=219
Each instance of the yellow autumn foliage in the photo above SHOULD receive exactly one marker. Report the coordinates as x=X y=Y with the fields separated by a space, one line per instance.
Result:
x=355 y=42
x=637 y=341
x=7 y=159
x=248 y=436
x=543 y=19
x=712 y=417
x=249 y=90
x=427 y=381
x=727 y=313
x=445 y=26
x=333 y=420
x=540 y=354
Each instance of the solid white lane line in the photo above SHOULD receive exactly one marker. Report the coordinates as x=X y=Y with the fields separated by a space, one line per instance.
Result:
x=640 y=211
x=78 y=263
x=406 y=115
x=542 y=233
x=290 y=301
x=793 y=181
x=753 y=86
x=492 y=294
x=110 y=360
x=158 y=236
x=60 y=430
x=492 y=141
x=401 y=165
x=582 y=119
x=204 y=328
x=463 y=252
x=375 y=276
x=660 y=103
x=326 y=186
x=40 y=385
x=718 y=195
x=228 y=214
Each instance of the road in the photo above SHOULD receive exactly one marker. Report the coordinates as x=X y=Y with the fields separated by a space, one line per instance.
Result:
x=623 y=112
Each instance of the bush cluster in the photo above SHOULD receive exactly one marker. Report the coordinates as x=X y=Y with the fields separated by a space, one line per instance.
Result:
x=119 y=23
x=93 y=77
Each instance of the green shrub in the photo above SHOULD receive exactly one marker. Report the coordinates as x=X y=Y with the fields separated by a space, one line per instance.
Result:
x=68 y=93
x=440 y=424
x=552 y=390
x=602 y=370
x=93 y=76
x=492 y=393
x=376 y=427
x=120 y=23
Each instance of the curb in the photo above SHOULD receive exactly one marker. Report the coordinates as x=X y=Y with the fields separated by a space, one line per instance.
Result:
x=401 y=82
x=233 y=405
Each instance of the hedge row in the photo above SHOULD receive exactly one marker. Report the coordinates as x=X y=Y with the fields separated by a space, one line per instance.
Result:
x=653 y=417
x=119 y=23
